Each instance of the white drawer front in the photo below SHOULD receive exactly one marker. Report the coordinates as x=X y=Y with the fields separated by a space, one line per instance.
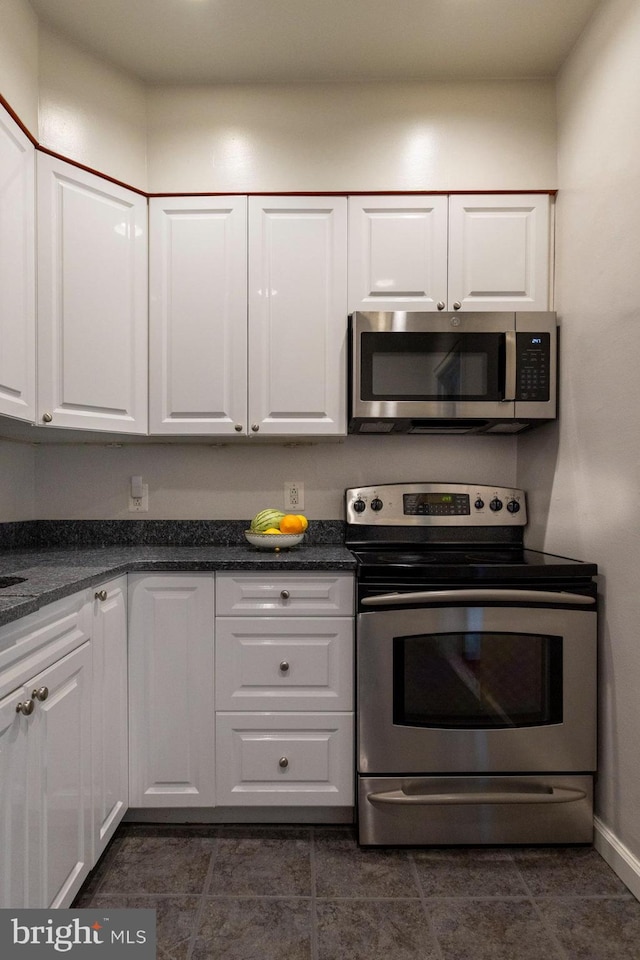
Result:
x=284 y=759
x=271 y=663
x=285 y=595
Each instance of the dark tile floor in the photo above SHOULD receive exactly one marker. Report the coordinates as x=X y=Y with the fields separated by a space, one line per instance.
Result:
x=310 y=893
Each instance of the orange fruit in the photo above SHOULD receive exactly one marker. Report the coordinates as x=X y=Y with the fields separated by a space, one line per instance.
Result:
x=291 y=523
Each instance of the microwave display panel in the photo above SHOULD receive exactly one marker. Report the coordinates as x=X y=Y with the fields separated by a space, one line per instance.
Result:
x=432 y=366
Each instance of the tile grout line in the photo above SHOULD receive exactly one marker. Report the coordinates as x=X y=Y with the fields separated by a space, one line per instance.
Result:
x=313 y=915
x=203 y=899
x=562 y=953
x=425 y=908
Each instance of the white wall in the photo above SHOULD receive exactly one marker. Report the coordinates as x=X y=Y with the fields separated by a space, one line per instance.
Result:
x=584 y=473
x=17 y=482
x=353 y=137
x=19 y=60
x=91 y=112
x=235 y=481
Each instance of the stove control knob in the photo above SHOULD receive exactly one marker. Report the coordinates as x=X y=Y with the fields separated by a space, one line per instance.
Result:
x=479 y=504
x=513 y=506
x=376 y=504
x=495 y=504
x=359 y=506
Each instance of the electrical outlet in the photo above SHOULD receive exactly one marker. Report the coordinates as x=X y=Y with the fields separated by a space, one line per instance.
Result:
x=294 y=495
x=140 y=504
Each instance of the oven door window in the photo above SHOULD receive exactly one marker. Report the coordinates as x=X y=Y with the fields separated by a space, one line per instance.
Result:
x=432 y=366
x=468 y=680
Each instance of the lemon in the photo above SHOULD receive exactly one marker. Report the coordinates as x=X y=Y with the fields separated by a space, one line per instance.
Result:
x=272 y=530
x=305 y=523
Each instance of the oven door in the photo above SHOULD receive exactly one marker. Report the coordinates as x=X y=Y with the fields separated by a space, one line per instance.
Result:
x=473 y=689
x=419 y=366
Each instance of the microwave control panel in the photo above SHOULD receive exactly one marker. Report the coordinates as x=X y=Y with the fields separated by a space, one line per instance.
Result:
x=533 y=362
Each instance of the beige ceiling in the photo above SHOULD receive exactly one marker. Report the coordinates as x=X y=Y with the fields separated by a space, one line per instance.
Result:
x=274 y=41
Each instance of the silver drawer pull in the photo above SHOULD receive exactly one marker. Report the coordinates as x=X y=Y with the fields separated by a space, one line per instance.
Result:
x=283 y=762
x=40 y=693
x=554 y=795
x=101 y=595
x=26 y=708
x=480 y=595
x=284 y=665
x=285 y=594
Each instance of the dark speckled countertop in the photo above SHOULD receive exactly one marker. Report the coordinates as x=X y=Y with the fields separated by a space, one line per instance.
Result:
x=52 y=573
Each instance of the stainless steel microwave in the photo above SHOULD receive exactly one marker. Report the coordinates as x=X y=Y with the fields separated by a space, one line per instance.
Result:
x=429 y=373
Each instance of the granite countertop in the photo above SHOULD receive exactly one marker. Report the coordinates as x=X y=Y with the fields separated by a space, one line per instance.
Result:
x=52 y=573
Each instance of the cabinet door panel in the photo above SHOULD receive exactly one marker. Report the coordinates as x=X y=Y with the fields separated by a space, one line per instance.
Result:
x=171 y=686
x=499 y=252
x=60 y=748
x=92 y=301
x=297 y=315
x=15 y=834
x=17 y=271
x=198 y=315
x=110 y=733
x=397 y=253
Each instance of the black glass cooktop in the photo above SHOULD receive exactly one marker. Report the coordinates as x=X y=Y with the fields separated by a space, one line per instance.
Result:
x=466 y=562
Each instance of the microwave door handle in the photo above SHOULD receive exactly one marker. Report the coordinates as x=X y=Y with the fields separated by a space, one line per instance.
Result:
x=480 y=595
x=554 y=795
x=510 y=358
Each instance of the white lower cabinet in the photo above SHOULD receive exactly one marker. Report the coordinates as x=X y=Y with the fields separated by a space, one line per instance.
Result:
x=284 y=689
x=171 y=711
x=110 y=721
x=45 y=757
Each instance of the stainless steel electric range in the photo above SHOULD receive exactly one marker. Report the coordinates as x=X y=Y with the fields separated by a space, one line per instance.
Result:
x=476 y=671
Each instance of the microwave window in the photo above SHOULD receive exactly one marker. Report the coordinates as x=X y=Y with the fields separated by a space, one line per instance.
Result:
x=476 y=680
x=438 y=366
x=436 y=374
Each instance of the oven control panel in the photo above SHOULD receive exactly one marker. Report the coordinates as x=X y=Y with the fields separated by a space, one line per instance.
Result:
x=409 y=504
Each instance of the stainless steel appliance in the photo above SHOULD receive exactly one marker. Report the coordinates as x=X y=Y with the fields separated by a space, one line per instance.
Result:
x=476 y=671
x=451 y=372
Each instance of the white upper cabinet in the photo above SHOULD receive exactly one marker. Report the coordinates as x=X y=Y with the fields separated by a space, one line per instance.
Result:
x=463 y=252
x=397 y=252
x=92 y=301
x=297 y=315
x=499 y=249
x=198 y=315
x=17 y=271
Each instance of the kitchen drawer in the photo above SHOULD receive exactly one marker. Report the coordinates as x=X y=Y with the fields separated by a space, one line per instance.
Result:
x=271 y=663
x=284 y=594
x=285 y=759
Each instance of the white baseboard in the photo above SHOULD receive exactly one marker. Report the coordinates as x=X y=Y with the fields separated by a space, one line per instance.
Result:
x=619 y=857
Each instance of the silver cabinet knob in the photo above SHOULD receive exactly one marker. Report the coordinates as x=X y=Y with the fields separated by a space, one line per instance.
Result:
x=238 y=427
x=283 y=762
x=284 y=666
x=100 y=594
x=441 y=304
x=285 y=594
x=25 y=708
x=47 y=418
x=255 y=427
x=457 y=305
x=40 y=693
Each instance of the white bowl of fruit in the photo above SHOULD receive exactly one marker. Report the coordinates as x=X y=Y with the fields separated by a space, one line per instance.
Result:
x=273 y=529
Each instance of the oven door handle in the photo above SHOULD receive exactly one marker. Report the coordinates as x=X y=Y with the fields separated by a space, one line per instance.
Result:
x=554 y=795
x=482 y=595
